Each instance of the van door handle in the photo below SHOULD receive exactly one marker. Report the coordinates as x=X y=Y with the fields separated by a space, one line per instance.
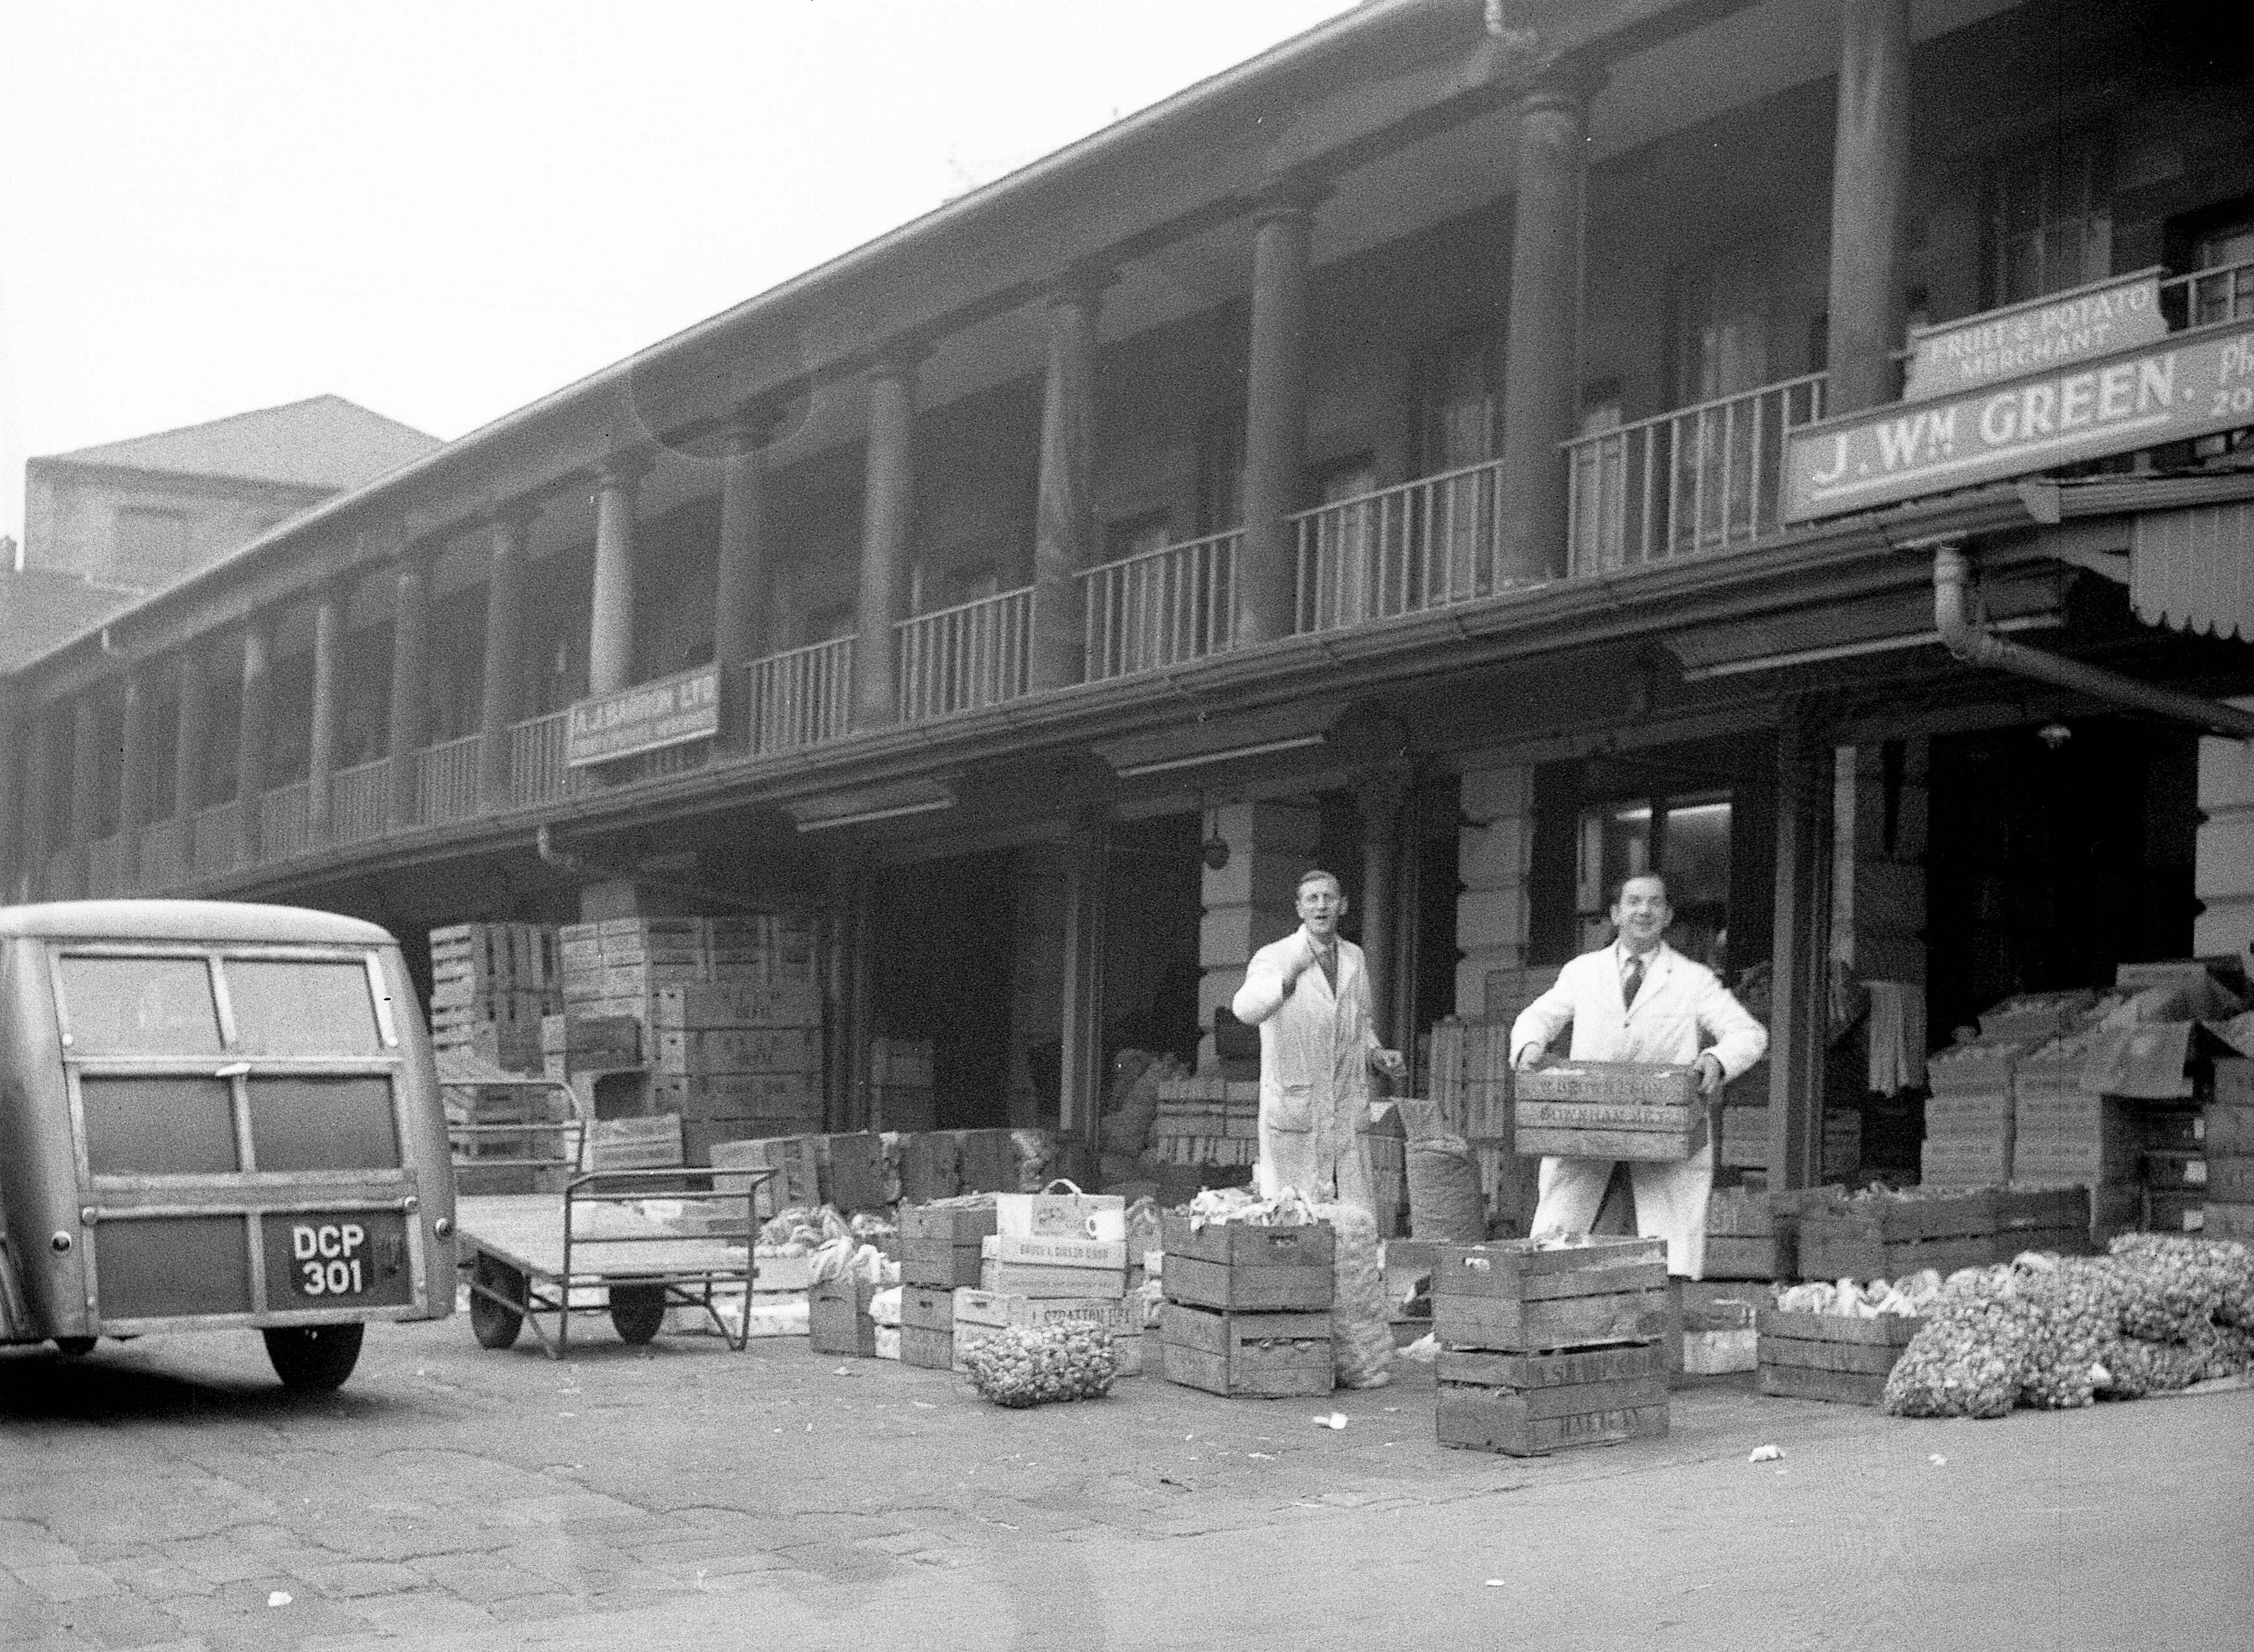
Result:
x=239 y=1069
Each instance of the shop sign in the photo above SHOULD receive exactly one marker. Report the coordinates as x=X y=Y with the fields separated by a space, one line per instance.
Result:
x=2195 y=385
x=645 y=718
x=2041 y=335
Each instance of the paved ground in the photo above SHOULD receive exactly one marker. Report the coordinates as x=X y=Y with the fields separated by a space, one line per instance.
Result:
x=167 y=1494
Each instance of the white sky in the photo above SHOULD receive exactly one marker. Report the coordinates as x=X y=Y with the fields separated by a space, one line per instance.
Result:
x=443 y=210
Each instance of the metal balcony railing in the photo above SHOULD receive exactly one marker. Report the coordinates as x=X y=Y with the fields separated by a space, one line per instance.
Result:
x=163 y=854
x=284 y=821
x=801 y=696
x=1160 y=607
x=961 y=658
x=536 y=772
x=2225 y=292
x=446 y=782
x=360 y=802
x=216 y=832
x=1421 y=544
x=1698 y=479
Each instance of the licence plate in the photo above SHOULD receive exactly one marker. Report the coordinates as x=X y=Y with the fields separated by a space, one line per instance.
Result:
x=345 y=1259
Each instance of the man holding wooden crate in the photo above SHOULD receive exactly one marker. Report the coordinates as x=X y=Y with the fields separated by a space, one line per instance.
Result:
x=1309 y=995
x=1640 y=1000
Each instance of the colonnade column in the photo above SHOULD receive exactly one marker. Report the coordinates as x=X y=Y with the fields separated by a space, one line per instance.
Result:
x=410 y=649
x=498 y=707
x=1870 y=169
x=887 y=533
x=1079 y=1094
x=1275 y=412
x=321 y=753
x=1064 y=519
x=133 y=770
x=1541 y=360
x=188 y=739
x=1799 y=998
x=740 y=583
x=250 y=737
x=610 y=623
x=1379 y=797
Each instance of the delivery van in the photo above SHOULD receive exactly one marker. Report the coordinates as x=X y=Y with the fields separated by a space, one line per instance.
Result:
x=215 y=1116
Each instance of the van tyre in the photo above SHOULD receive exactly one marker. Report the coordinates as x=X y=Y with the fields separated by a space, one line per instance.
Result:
x=76 y=1347
x=638 y=1311
x=314 y=1359
x=495 y=1326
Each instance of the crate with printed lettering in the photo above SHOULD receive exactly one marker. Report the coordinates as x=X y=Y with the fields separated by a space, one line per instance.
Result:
x=939 y=1242
x=979 y=1314
x=1261 y=1355
x=1529 y=1404
x=1606 y=1109
x=1243 y=1267
x=1519 y=1296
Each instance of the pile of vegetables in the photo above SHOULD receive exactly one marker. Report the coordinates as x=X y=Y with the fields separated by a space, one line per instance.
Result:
x=1286 y=1209
x=1023 y=1365
x=1909 y=1295
x=2160 y=1312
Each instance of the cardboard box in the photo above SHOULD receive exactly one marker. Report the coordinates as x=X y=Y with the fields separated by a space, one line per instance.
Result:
x=1062 y=1216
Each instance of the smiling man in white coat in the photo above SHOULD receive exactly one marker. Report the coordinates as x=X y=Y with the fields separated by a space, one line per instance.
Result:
x=1640 y=1000
x=1309 y=995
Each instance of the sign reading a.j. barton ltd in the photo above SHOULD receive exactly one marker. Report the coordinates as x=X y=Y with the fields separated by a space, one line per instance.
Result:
x=2045 y=333
x=2194 y=384
x=645 y=718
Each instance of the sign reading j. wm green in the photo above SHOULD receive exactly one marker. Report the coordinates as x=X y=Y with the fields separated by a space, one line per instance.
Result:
x=2194 y=385
x=645 y=718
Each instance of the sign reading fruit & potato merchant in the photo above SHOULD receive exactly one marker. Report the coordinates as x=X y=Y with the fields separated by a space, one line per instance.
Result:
x=645 y=718
x=2194 y=384
x=2043 y=334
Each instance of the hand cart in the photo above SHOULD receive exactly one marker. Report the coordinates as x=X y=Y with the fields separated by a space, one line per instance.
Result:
x=529 y=1252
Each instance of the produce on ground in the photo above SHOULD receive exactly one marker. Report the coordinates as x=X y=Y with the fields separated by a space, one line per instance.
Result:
x=1023 y=1365
x=1909 y=1295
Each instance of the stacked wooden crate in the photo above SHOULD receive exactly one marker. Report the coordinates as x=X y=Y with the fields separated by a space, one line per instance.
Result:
x=1248 y=1308
x=2176 y=1173
x=1744 y=1238
x=1208 y=1120
x=2228 y=1130
x=1970 y=1116
x=1542 y=1348
x=1470 y=1077
x=902 y=1096
x=940 y=1254
x=1829 y=1356
x=1052 y=1258
x=491 y=984
x=837 y=1320
x=1884 y=1236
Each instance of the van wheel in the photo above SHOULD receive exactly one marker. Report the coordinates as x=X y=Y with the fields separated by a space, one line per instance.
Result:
x=314 y=1358
x=76 y=1346
x=494 y=1326
x=637 y=1311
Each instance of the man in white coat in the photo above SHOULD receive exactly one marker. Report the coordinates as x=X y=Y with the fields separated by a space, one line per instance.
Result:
x=1309 y=995
x=1640 y=1000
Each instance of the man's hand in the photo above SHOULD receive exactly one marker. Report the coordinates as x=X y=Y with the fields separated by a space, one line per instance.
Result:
x=1298 y=960
x=1710 y=1073
x=1391 y=1063
x=1528 y=1057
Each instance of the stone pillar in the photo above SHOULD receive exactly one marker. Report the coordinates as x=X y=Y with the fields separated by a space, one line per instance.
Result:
x=188 y=738
x=1379 y=798
x=888 y=531
x=321 y=754
x=611 y=626
x=740 y=586
x=1274 y=414
x=1541 y=360
x=410 y=649
x=1037 y=984
x=1088 y=861
x=1064 y=524
x=133 y=765
x=1248 y=901
x=1494 y=859
x=506 y=555
x=2223 y=853
x=1800 y=1002
x=1870 y=171
x=250 y=735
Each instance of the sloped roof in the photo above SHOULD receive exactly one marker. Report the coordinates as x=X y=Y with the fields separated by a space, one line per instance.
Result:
x=323 y=442
x=42 y=608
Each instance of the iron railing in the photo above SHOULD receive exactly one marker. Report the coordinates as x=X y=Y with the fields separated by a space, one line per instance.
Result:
x=447 y=780
x=216 y=836
x=536 y=772
x=801 y=696
x=1400 y=549
x=1160 y=607
x=1698 y=479
x=285 y=820
x=961 y=658
x=360 y=802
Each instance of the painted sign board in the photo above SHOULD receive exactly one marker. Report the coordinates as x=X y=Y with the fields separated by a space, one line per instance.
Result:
x=2194 y=384
x=646 y=718
x=2042 y=334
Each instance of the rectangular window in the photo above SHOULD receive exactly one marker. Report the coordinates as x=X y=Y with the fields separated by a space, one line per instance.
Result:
x=295 y=1006
x=2050 y=220
x=1685 y=840
x=139 y=1006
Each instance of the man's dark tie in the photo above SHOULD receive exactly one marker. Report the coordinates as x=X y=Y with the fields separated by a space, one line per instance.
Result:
x=1631 y=980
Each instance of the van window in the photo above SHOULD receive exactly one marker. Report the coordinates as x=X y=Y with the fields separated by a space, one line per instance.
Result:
x=140 y=1006
x=302 y=1006
x=159 y=1126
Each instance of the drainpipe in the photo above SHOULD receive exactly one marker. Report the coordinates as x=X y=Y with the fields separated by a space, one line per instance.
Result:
x=1953 y=605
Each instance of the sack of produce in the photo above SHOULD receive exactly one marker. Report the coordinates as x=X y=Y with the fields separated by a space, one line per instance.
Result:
x=1362 y=1340
x=1023 y=1365
x=1444 y=1202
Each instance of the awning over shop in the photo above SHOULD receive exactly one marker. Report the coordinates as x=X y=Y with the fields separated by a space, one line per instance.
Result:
x=2194 y=569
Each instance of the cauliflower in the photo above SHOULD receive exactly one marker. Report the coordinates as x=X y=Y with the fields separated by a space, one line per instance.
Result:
x=1023 y=1365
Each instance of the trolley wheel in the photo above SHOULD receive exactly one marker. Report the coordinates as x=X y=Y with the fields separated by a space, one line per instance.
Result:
x=637 y=1311
x=494 y=1325
x=76 y=1346
x=314 y=1358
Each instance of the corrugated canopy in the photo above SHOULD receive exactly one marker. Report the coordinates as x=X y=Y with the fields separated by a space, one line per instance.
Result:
x=2194 y=569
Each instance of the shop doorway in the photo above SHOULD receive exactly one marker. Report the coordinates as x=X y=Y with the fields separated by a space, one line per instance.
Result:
x=939 y=946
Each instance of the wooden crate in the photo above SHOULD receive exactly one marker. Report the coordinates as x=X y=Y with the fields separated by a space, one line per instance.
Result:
x=1043 y=1279
x=928 y=1308
x=989 y=1160
x=853 y=1171
x=931 y=1350
x=1886 y=1238
x=633 y=1144
x=1513 y=1296
x=978 y=1314
x=939 y=1244
x=1606 y=1109
x=797 y=1178
x=1243 y=1268
x=1531 y=1404
x=1272 y=1356
x=930 y=1167
x=1744 y=1237
x=2229 y=1221
x=837 y=1320
x=1829 y=1356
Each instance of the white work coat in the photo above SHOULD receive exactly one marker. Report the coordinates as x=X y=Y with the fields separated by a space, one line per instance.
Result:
x=1680 y=1006
x=1314 y=1072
